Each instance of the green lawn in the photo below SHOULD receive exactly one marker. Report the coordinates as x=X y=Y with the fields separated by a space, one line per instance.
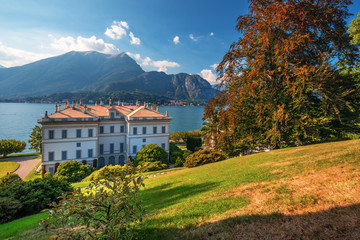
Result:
x=268 y=193
x=19 y=155
x=6 y=167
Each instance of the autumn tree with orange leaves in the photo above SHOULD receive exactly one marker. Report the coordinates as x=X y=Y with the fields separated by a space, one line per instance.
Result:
x=281 y=82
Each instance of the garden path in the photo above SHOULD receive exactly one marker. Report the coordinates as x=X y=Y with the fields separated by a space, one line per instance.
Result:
x=26 y=165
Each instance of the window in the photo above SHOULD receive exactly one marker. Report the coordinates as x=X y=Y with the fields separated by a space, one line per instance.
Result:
x=101 y=150
x=78 y=133
x=144 y=139
x=64 y=133
x=78 y=144
x=112 y=129
x=51 y=169
x=163 y=129
x=135 y=149
x=90 y=153
x=112 y=115
x=154 y=130
x=63 y=155
x=101 y=129
x=144 y=130
x=51 y=134
x=91 y=132
x=122 y=129
x=143 y=145
x=51 y=156
x=121 y=147
x=134 y=130
x=163 y=145
x=78 y=154
x=111 y=148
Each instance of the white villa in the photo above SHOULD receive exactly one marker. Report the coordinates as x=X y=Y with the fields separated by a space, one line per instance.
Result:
x=109 y=134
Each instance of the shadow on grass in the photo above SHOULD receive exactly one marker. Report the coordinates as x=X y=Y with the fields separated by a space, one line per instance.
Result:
x=165 y=195
x=335 y=223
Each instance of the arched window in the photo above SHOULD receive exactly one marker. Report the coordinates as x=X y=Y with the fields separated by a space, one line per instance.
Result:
x=112 y=160
x=121 y=160
x=101 y=162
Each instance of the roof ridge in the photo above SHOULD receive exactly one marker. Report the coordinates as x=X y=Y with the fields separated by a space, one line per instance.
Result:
x=135 y=111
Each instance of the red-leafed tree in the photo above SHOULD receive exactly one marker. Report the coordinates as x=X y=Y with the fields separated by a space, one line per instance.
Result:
x=280 y=83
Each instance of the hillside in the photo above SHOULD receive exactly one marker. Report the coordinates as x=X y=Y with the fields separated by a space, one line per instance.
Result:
x=94 y=71
x=310 y=192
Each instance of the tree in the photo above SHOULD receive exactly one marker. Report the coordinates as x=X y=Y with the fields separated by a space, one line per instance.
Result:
x=73 y=171
x=35 y=139
x=151 y=153
x=280 y=84
x=107 y=209
x=8 y=146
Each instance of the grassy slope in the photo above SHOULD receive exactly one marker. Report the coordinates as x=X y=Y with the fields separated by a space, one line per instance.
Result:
x=311 y=192
x=6 y=167
x=31 y=175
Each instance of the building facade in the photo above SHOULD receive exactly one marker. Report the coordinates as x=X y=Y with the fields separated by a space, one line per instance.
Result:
x=109 y=134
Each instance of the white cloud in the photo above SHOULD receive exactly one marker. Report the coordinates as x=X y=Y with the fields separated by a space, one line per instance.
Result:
x=176 y=40
x=69 y=43
x=134 y=40
x=117 y=31
x=208 y=75
x=211 y=34
x=214 y=66
x=195 y=39
x=10 y=57
x=161 y=66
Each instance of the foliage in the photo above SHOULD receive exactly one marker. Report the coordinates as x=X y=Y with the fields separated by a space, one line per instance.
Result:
x=9 y=179
x=279 y=83
x=202 y=157
x=354 y=30
x=182 y=136
x=193 y=143
x=107 y=209
x=35 y=140
x=179 y=162
x=101 y=173
x=73 y=171
x=152 y=166
x=48 y=175
x=151 y=153
x=8 y=146
x=32 y=195
x=9 y=207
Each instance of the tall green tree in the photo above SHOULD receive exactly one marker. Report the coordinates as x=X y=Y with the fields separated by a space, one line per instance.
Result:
x=279 y=83
x=35 y=140
x=8 y=146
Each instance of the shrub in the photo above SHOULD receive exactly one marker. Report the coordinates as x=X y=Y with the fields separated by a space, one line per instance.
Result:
x=108 y=209
x=73 y=171
x=9 y=179
x=179 y=162
x=100 y=174
x=186 y=153
x=9 y=208
x=33 y=195
x=151 y=153
x=8 y=146
x=95 y=163
x=48 y=175
x=152 y=166
x=193 y=143
x=202 y=157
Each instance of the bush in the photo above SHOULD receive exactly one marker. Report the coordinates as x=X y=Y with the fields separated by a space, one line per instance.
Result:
x=9 y=179
x=179 y=162
x=186 y=153
x=100 y=174
x=34 y=196
x=8 y=146
x=152 y=166
x=48 y=175
x=202 y=157
x=9 y=208
x=73 y=171
x=193 y=143
x=108 y=209
x=151 y=153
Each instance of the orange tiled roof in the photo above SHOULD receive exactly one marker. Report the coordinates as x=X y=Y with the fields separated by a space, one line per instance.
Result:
x=103 y=111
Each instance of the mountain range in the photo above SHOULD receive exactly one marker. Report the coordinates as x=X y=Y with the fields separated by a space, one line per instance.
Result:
x=94 y=71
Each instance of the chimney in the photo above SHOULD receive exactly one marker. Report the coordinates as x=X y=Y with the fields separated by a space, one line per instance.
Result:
x=85 y=109
x=118 y=102
x=144 y=104
x=96 y=103
x=46 y=114
x=166 y=113
x=157 y=109
x=56 y=108
x=80 y=102
x=59 y=106
x=109 y=102
x=101 y=102
x=73 y=103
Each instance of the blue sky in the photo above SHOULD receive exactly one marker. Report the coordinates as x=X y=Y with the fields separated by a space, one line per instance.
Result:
x=168 y=35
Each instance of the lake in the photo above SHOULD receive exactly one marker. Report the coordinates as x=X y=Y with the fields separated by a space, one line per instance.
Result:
x=17 y=119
